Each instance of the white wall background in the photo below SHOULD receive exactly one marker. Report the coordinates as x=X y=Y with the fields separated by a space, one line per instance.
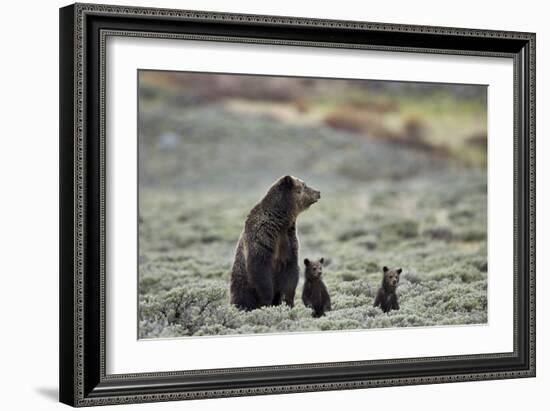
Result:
x=29 y=206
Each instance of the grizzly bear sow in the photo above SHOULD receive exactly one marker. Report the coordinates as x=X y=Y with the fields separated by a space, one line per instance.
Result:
x=265 y=270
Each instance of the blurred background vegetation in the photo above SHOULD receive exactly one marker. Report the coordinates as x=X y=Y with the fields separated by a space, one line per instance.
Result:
x=402 y=171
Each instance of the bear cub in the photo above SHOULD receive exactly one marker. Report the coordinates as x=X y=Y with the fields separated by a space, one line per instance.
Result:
x=387 y=297
x=315 y=294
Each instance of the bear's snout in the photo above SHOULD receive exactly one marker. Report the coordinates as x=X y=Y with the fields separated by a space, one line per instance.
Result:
x=311 y=196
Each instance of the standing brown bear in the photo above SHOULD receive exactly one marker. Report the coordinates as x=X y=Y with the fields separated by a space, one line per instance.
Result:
x=265 y=270
x=387 y=297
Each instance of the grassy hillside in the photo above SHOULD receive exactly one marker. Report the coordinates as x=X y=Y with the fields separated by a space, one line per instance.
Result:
x=204 y=165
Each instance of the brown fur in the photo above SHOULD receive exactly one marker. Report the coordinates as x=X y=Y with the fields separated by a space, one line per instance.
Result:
x=315 y=293
x=265 y=270
x=386 y=298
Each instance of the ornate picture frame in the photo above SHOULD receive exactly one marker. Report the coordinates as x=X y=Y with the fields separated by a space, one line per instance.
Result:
x=84 y=29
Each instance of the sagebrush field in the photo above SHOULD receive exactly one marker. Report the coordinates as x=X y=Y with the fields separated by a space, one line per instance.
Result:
x=402 y=172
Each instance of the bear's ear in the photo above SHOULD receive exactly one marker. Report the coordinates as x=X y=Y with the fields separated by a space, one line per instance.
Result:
x=306 y=261
x=385 y=269
x=322 y=260
x=399 y=270
x=287 y=181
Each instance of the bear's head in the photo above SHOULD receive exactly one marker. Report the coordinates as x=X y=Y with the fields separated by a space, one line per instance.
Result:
x=314 y=269
x=299 y=193
x=391 y=278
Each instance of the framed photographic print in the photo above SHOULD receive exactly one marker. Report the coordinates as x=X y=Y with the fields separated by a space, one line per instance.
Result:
x=262 y=204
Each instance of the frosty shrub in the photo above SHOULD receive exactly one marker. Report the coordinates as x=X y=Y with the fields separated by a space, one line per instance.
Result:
x=382 y=204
